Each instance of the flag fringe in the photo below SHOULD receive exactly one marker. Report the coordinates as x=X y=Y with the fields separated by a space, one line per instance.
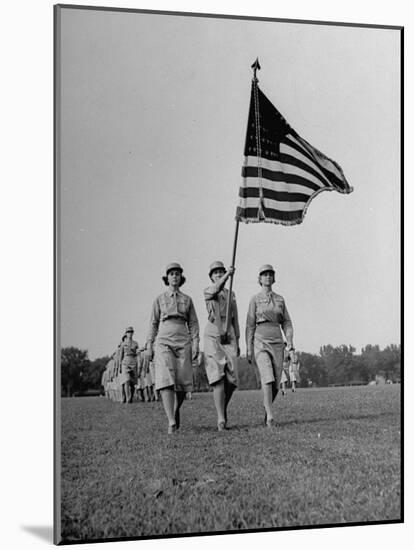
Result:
x=297 y=221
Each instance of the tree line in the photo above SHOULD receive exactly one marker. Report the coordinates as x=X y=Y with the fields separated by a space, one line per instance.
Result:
x=332 y=366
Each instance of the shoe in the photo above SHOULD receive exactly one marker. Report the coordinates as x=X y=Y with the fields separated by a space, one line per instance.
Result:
x=221 y=426
x=172 y=429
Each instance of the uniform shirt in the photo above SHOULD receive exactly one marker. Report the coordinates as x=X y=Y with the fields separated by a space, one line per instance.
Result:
x=173 y=305
x=267 y=308
x=128 y=351
x=215 y=293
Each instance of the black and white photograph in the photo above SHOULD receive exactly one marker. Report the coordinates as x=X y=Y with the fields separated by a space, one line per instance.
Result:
x=228 y=349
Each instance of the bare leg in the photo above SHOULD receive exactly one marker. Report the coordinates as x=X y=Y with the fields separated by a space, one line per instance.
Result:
x=219 y=401
x=124 y=397
x=268 y=400
x=293 y=386
x=168 y=401
x=128 y=392
x=283 y=388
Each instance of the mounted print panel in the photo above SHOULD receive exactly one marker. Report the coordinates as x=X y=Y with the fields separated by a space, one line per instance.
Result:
x=228 y=335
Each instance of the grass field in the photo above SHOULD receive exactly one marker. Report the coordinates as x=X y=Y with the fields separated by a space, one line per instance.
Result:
x=335 y=458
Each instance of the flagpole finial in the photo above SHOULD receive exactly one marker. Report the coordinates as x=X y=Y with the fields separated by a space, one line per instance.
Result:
x=255 y=67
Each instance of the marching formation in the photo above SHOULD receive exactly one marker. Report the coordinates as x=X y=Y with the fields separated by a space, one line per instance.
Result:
x=163 y=368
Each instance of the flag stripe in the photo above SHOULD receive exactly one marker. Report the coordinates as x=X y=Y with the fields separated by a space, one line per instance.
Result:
x=252 y=172
x=278 y=186
x=253 y=213
x=288 y=165
x=286 y=206
x=332 y=177
x=294 y=161
x=298 y=153
x=281 y=196
x=323 y=160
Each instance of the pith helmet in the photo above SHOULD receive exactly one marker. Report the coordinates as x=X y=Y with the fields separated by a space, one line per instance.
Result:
x=129 y=329
x=173 y=265
x=216 y=265
x=266 y=267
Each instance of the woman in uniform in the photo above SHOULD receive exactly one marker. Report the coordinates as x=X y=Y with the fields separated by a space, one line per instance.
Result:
x=267 y=317
x=128 y=365
x=293 y=370
x=220 y=350
x=174 y=340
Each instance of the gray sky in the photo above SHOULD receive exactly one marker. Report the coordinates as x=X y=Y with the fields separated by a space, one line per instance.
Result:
x=154 y=111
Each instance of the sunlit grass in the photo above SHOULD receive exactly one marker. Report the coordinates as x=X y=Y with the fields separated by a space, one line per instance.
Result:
x=335 y=458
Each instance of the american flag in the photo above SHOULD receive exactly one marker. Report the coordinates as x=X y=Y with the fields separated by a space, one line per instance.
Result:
x=282 y=172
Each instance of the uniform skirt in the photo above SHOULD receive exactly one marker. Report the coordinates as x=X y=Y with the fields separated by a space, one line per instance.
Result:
x=269 y=353
x=172 y=357
x=220 y=359
x=128 y=370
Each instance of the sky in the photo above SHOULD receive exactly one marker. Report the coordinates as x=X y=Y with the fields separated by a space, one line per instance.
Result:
x=153 y=113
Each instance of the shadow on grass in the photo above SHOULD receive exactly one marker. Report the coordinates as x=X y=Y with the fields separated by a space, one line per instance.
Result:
x=210 y=428
x=44 y=532
x=334 y=419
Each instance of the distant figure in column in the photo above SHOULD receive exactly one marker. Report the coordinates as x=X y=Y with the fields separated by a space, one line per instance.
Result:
x=267 y=316
x=148 y=380
x=128 y=365
x=294 y=370
x=284 y=378
x=220 y=349
x=174 y=340
x=140 y=385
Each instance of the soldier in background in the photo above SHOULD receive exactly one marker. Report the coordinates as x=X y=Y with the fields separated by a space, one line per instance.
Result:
x=285 y=373
x=128 y=365
x=148 y=380
x=140 y=383
x=116 y=377
x=294 y=366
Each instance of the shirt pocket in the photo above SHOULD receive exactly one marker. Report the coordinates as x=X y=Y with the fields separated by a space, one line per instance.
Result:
x=182 y=305
x=165 y=307
x=262 y=304
x=280 y=305
x=280 y=310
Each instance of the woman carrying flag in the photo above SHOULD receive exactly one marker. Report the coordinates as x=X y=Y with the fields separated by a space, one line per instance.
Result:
x=221 y=350
x=267 y=316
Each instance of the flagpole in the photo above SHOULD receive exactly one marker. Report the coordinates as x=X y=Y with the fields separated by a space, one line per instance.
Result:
x=255 y=67
x=233 y=260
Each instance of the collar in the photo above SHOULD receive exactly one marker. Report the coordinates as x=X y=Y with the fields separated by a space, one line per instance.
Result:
x=171 y=293
x=267 y=294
